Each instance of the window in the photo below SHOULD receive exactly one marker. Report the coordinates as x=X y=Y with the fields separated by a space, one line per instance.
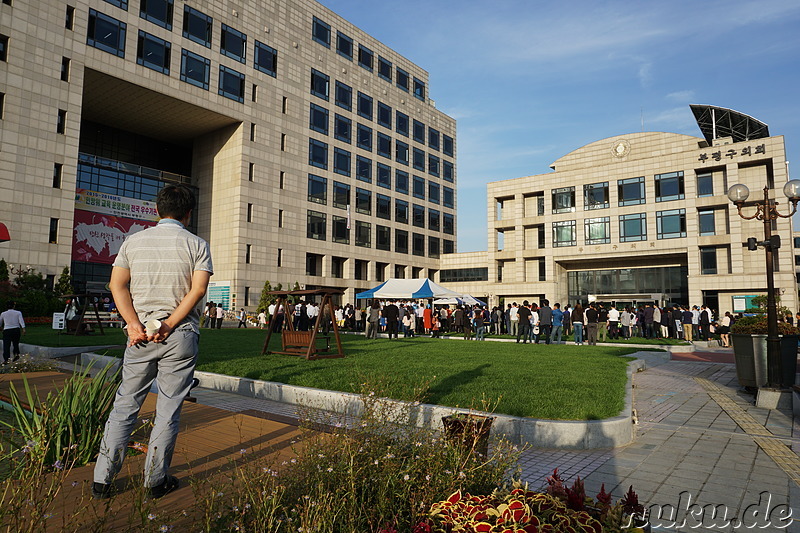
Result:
x=448 y=171
x=317 y=189
x=321 y=32
x=363 y=234
x=315 y=226
x=419 y=187
x=433 y=165
x=122 y=4
x=341 y=232
x=418 y=216
x=341 y=161
x=671 y=224
x=195 y=69
x=419 y=131
x=318 y=119
x=433 y=139
x=401 y=241
x=251 y=171
x=317 y=153
x=384 y=69
x=597 y=230
x=280 y=218
x=231 y=84
x=419 y=159
x=595 y=196
x=708 y=260
x=384 y=145
x=434 y=219
x=233 y=43
x=344 y=96
x=401 y=181
x=401 y=123
x=266 y=59
x=65 y=68
x=157 y=11
x=402 y=79
x=706 y=222
x=320 y=84
x=151 y=52
x=383 y=206
x=344 y=45
x=418 y=244
x=365 y=57
x=342 y=128
x=364 y=137
x=705 y=185
x=363 y=201
x=69 y=19
x=563 y=200
x=564 y=233
x=433 y=192
x=447 y=145
x=283 y=142
x=401 y=152
x=448 y=246
x=383 y=238
x=53 y=237
x=669 y=186
x=104 y=33
x=419 y=89
x=61 y=123
x=364 y=106
x=433 y=246
x=58 y=171
x=249 y=212
x=384 y=115
x=341 y=195
x=401 y=211
x=448 y=224
x=631 y=191
x=363 y=169
x=197 y=26
x=633 y=227
x=384 y=176
x=448 y=197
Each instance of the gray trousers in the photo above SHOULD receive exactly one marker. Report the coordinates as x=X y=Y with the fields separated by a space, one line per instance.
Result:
x=171 y=365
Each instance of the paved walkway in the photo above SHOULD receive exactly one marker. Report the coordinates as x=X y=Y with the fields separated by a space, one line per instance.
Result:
x=702 y=447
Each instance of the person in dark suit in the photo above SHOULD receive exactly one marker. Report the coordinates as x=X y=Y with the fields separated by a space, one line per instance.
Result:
x=392 y=314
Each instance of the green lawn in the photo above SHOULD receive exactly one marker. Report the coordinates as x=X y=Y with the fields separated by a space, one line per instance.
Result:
x=44 y=335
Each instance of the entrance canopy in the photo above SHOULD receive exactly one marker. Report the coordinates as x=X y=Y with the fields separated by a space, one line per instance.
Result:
x=395 y=288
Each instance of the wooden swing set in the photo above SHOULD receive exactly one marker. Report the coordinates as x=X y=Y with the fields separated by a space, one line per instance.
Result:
x=309 y=344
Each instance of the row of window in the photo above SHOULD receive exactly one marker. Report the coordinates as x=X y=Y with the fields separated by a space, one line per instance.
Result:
x=631 y=191
x=342 y=160
x=345 y=47
x=382 y=113
x=317 y=228
x=318 y=189
x=633 y=227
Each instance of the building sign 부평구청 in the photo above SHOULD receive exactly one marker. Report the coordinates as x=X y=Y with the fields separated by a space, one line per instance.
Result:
x=732 y=152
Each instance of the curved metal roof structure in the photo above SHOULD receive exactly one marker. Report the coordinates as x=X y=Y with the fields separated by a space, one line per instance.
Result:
x=717 y=122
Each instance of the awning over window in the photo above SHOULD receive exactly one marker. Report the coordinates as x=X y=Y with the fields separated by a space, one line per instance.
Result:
x=4 y=236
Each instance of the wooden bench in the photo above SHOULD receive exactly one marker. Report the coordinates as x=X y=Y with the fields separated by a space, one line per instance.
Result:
x=107 y=319
x=297 y=342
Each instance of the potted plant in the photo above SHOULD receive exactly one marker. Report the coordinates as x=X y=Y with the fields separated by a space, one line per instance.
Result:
x=749 y=337
x=469 y=430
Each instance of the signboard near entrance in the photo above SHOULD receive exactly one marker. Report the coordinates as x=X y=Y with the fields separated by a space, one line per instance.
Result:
x=743 y=303
x=219 y=292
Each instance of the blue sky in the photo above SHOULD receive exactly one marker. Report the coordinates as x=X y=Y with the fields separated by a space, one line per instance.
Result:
x=529 y=81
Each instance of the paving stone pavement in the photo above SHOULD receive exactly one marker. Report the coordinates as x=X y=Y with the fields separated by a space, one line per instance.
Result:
x=692 y=464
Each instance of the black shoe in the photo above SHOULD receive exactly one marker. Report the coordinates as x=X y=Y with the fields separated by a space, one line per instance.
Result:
x=16 y=358
x=101 y=491
x=169 y=484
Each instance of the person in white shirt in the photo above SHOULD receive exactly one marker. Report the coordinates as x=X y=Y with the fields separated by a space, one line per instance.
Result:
x=13 y=327
x=262 y=320
x=613 y=322
x=512 y=316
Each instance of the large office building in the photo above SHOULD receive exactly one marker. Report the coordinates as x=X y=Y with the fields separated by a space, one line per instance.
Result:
x=316 y=152
x=638 y=218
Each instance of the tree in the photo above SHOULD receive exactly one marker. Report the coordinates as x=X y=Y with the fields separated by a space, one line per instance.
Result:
x=263 y=303
x=64 y=283
x=3 y=270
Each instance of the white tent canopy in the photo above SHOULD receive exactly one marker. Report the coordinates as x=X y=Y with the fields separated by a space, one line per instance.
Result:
x=459 y=300
x=408 y=289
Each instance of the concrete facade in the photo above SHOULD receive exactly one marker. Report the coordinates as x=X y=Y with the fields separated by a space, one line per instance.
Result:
x=247 y=136
x=682 y=183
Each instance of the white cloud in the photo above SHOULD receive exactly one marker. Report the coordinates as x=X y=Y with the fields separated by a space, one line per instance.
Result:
x=681 y=96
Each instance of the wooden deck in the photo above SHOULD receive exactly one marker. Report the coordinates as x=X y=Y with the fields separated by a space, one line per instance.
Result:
x=211 y=445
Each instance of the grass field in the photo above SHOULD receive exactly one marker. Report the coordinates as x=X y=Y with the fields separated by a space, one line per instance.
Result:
x=47 y=336
x=557 y=381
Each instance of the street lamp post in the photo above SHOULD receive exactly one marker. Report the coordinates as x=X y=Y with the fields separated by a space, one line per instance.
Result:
x=767 y=211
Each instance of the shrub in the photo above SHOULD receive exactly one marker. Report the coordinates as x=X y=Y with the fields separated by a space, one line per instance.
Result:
x=757 y=325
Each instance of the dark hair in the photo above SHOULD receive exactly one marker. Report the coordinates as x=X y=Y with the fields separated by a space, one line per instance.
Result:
x=175 y=201
x=12 y=304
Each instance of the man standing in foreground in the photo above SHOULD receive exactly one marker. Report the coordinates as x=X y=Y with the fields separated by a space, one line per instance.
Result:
x=159 y=277
x=13 y=326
